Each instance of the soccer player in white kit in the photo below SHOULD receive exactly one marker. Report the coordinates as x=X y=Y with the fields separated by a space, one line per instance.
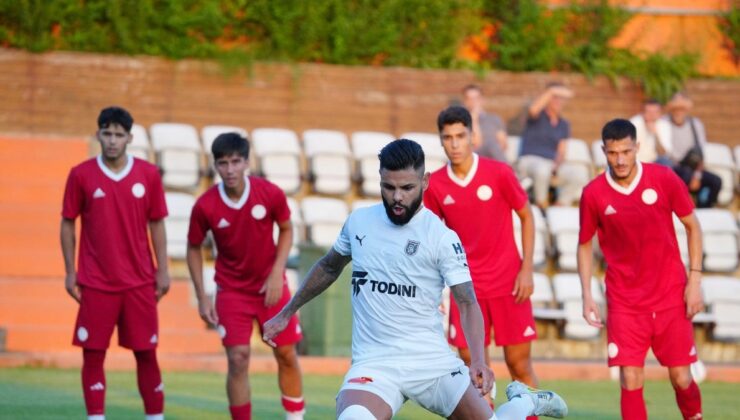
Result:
x=402 y=257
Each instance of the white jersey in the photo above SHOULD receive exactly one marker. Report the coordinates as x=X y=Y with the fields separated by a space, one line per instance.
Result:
x=398 y=274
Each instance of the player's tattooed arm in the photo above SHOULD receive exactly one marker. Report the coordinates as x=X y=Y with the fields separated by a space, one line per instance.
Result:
x=464 y=293
x=472 y=324
x=322 y=275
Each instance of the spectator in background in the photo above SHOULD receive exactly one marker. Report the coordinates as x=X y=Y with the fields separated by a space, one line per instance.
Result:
x=653 y=134
x=543 y=147
x=688 y=138
x=489 y=131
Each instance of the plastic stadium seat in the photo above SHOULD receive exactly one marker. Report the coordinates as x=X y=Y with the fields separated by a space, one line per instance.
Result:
x=291 y=275
x=722 y=296
x=279 y=156
x=178 y=153
x=540 y=235
x=543 y=299
x=208 y=134
x=683 y=244
x=365 y=148
x=568 y=293
x=597 y=153
x=718 y=159
x=329 y=161
x=737 y=158
x=564 y=225
x=177 y=223
x=357 y=204
x=139 y=146
x=298 y=227
x=434 y=153
x=720 y=236
x=209 y=281
x=324 y=218
x=513 y=147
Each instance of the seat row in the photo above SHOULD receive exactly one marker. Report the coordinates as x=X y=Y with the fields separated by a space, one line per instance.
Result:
x=331 y=164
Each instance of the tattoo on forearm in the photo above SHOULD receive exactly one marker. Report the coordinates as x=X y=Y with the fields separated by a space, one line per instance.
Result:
x=322 y=275
x=464 y=293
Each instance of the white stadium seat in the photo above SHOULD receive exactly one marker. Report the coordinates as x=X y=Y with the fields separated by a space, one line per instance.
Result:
x=324 y=218
x=279 y=156
x=597 y=153
x=208 y=134
x=720 y=239
x=365 y=148
x=139 y=146
x=564 y=225
x=540 y=235
x=722 y=296
x=568 y=293
x=718 y=160
x=298 y=226
x=209 y=280
x=178 y=153
x=434 y=153
x=543 y=299
x=179 y=206
x=513 y=147
x=683 y=245
x=329 y=161
x=736 y=151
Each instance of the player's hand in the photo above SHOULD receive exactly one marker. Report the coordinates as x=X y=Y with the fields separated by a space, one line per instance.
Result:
x=274 y=326
x=692 y=295
x=482 y=377
x=523 y=285
x=561 y=91
x=273 y=288
x=206 y=311
x=163 y=284
x=591 y=313
x=70 y=283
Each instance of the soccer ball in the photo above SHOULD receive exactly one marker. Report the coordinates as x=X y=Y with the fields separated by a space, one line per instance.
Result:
x=698 y=371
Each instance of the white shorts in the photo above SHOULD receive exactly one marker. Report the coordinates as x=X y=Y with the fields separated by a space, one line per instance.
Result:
x=437 y=391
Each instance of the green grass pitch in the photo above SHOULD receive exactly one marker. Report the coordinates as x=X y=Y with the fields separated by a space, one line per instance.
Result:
x=42 y=393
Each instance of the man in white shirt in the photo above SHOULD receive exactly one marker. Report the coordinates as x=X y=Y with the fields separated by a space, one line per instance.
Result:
x=653 y=134
x=402 y=257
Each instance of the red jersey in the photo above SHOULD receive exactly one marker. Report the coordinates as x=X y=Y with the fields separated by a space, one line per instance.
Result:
x=242 y=230
x=478 y=208
x=636 y=234
x=116 y=209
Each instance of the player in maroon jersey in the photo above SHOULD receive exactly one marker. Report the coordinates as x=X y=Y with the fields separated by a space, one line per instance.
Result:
x=120 y=200
x=475 y=196
x=241 y=212
x=650 y=298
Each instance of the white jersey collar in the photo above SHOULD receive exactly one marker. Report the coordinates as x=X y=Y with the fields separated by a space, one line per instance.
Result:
x=469 y=177
x=231 y=203
x=113 y=175
x=628 y=189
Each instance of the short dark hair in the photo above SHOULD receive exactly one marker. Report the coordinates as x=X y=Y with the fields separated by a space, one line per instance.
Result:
x=115 y=115
x=401 y=154
x=472 y=86
x=651 y=101
x=227 y=144
x=617 y=130
x=452 y=115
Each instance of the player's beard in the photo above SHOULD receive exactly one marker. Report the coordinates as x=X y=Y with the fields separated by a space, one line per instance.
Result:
x=407 y=215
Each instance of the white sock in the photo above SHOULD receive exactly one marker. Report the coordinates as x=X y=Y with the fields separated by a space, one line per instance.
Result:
x=294 y=415
x=154 y=417
x=517 y=408
x=96 y=417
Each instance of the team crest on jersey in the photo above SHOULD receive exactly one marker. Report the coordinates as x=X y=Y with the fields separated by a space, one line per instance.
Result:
x=412 y=247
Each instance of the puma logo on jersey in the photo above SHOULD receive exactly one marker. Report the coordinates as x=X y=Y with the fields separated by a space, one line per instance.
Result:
x=97 y=387
x=360 y=239
x=223 y=223
x=609 y=210
x=99 y=193
x=529 y=331
x=448 y=200
x=458 y=372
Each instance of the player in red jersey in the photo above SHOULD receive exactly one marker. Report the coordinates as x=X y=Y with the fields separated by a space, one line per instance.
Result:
x=650 y=300
x=116 y=282
x=475 y=197
x=241 y=212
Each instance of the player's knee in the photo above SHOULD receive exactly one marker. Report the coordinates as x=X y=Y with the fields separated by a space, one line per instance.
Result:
x=238 y=360
x=286 y=356
x=680 y=378
x=632 y=379
x=356 y=412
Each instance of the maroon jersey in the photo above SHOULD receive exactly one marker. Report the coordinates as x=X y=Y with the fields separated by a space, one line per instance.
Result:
x=478 y=208
x=115 y=209
x=636 y=234
x=242 y=231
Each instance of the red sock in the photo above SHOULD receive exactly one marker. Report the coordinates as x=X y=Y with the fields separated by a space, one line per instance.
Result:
x=149 y=379
x=633 y=405
x=93 y=381
x=689 y=400
x=293 y=404
x=241 y=412
x=532 y=418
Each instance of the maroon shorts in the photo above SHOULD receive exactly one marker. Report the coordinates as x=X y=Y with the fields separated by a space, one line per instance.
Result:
x=237 y=312
x=513 y=323
x=134 y=311
x=669 y=333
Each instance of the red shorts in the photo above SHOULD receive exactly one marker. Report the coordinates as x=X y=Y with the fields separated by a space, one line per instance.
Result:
x=668 y=332
x=513 y=323
x=134 y=311
x=237 y=311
